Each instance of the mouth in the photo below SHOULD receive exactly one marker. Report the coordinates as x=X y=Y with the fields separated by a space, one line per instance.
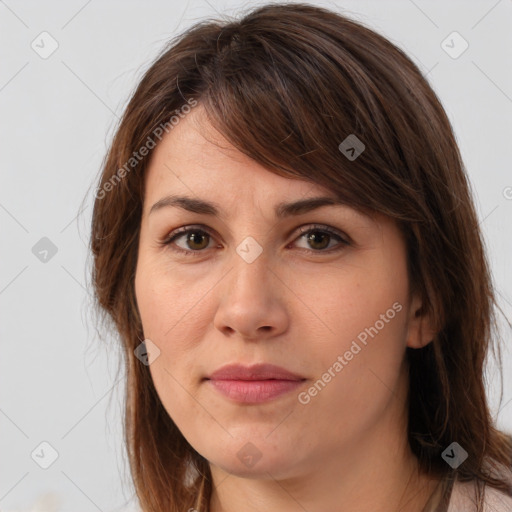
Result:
x=237 y=371
x=254 y=391
x=254 y=384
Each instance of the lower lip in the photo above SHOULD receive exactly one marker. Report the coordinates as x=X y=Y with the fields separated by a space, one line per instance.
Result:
x=254 y=391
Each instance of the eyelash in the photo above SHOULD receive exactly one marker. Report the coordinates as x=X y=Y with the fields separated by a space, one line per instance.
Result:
x=200 y=229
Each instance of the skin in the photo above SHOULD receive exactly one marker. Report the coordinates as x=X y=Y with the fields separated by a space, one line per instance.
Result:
x=294 y=306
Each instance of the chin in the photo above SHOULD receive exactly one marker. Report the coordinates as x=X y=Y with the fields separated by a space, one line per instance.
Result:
x=250 y=462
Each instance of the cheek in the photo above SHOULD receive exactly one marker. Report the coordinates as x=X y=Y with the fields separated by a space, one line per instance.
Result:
x=174 y=314
x=170 y=320
x=346 y=303
x=358 y=382
x=169 y=300
x=359 y=360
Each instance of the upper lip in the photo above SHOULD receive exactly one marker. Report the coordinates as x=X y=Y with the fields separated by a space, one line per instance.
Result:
x=254 y=372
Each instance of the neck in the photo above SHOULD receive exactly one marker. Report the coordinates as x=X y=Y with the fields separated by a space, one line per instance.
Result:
x=395 y=490
x=375 y=471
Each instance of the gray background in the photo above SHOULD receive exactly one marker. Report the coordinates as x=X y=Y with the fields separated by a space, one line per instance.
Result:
x=58 y=115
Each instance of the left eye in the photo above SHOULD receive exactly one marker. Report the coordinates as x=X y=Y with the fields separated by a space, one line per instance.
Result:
x=320 y=234
x=318 y=237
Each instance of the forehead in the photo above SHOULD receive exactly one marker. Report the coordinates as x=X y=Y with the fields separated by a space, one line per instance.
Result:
x=195 y=159
x=196 y=168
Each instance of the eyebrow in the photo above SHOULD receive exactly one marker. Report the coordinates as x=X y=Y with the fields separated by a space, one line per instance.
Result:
x=282 y=209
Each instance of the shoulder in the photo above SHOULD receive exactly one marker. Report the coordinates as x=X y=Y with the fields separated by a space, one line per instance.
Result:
x=463 y=498
x=497 y=501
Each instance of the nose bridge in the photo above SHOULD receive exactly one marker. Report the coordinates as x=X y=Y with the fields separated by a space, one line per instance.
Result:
x=251 y=264
x=248 y=302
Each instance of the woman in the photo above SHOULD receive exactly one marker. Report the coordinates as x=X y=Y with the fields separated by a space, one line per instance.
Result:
x=284 y=238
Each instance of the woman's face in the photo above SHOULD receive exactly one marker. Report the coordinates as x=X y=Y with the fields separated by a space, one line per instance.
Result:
x=248 y=287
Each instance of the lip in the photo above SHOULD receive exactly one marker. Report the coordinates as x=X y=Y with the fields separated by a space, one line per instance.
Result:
x=254 y=384
x=254 y=372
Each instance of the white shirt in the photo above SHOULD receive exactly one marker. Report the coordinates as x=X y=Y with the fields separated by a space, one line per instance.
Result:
x=463 y=499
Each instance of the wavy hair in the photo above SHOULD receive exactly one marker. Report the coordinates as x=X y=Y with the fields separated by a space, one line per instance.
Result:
x=286 y=84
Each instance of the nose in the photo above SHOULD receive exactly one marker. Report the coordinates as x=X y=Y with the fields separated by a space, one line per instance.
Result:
x=252 y=301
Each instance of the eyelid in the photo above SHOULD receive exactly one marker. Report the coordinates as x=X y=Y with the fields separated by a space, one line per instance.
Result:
x=344 y=240
x=184 y=230
x=325 y=228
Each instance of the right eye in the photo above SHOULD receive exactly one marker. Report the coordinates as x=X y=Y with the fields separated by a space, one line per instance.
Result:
x=198 y=238
x=194 y=235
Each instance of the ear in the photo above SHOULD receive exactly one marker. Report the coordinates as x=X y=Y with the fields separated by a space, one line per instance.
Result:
x=421 y=330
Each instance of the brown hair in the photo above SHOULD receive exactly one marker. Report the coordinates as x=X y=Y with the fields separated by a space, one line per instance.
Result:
x=286 y=84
